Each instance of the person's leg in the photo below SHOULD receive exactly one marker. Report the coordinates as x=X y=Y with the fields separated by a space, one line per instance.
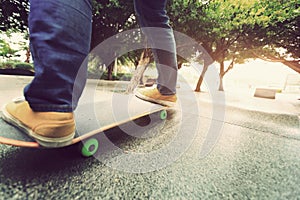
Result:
x=60 y=32
x=153 y=14
x=154 y=23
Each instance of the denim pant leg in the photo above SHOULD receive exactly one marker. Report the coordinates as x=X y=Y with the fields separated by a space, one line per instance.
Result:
x=154 y=22
x=60 y=34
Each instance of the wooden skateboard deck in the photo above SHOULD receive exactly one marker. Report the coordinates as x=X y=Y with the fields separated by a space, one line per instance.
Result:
x=91 y=119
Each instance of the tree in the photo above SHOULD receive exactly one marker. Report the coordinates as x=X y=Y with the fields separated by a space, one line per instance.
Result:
x=223 y=27
x=5 y=49
x=111 y=17
x=13 y=15
x=143 y=63
x=279 y=39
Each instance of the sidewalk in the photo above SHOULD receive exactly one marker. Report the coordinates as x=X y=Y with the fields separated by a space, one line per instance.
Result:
x=249 y=158
x=283 y=104
x=12 y=87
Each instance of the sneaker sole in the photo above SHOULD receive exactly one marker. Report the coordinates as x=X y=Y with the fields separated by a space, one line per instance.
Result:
x=157 y=101
x=43 y=141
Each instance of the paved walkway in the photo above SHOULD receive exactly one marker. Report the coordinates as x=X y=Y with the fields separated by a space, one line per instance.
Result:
x=255 y=155
x=12 y=86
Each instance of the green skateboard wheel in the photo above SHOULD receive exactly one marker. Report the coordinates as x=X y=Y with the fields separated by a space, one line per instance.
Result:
x=89 y=147
x=163 y=114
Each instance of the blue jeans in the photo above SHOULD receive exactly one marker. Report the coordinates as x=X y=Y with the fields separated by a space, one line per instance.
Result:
x=60 y=34
x=152 y=13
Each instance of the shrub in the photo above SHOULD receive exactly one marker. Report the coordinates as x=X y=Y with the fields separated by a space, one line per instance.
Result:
x=16 y=65
x=8 y=65
x=99 y=74
x=23 y=65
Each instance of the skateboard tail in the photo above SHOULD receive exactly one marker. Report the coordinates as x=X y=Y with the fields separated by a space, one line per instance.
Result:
x=19 y=143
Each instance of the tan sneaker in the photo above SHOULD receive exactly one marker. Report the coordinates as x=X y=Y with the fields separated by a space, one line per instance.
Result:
x=49 y=129
x=153 y=95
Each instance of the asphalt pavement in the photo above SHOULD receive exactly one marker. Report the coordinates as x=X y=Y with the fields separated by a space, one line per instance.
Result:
x=210 y=147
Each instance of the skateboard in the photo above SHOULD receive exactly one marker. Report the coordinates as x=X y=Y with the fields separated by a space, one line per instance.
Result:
x=92 y=118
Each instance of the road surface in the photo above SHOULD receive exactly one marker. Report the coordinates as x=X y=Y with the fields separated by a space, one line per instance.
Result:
x=256 y=155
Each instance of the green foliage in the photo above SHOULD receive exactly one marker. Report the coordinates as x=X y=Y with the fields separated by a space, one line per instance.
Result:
x=100 y=74
x=96 y=74
x=7 y=65
x=5 y=49
x=14 y=14
x=227 y=29
x=111 y=17
x=233 y=30
x=24 y=65
x=16 y=65
x=282 y=31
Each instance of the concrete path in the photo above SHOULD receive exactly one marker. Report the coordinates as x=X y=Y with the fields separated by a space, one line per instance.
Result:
x=204 y=150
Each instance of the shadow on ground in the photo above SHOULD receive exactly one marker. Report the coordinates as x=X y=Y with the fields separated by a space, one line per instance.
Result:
x=25 y=165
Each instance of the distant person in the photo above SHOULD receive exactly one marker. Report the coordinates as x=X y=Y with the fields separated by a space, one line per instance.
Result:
x=60 y=34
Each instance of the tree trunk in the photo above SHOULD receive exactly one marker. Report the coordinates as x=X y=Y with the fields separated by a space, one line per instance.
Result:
x=222 y=73
x=109 y=71
x=200 y=80
x=140 y=69
x=28 y=55
x=293 y=64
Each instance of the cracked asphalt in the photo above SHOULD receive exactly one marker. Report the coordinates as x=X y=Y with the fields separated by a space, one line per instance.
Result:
x=254 y=156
